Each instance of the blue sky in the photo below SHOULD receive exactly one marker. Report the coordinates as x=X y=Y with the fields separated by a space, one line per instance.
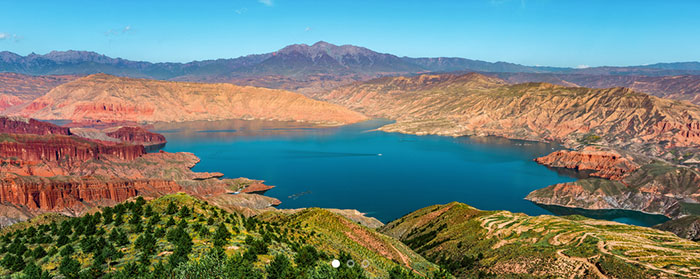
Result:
x=530 y=32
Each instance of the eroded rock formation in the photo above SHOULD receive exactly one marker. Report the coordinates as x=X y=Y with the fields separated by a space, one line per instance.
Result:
x=601 y=163
x=70 y=174
x=137 y=135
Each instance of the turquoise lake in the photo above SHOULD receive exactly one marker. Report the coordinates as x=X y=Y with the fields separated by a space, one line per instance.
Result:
x=385 y=175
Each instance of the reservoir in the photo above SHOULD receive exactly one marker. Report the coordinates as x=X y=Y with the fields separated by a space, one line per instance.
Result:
x=385 y=175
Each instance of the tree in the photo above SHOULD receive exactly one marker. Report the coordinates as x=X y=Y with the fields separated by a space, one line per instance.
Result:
x=241 y=268
x=146 y=243
x=306 y=257
x=221 y=236
x=170 y=223
x=62 y=240
x=172 y=208
x=119 y=219
x=38 y=253
x=69 y=267
x=12 y=262
x=183 y=245
x=345 y=271
x=32 y=271
x=184 y=212
x=322 y=271
x=399 y=273
x=67 y=250
x=280 y=268
x=441 y=274
x=149 y=211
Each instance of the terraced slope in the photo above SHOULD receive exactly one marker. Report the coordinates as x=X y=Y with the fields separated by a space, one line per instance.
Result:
x=471 y=242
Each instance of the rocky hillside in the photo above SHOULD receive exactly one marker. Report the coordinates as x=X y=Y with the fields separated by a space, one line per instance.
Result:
x=683 y=87
x=473 y=243
x=592 y=161
x=46 y=168
x=622 y=181
x=179 y=236
x=685 y=227
x=17 y=89
x=475 y=104
x=109 y=98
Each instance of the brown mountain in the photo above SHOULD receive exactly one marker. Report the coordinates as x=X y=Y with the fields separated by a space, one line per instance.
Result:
x=685 y=87
x=474 y=104
x=109 y=98
x=16 y=89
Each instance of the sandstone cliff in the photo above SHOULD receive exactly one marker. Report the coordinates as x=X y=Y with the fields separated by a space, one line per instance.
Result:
x=110 y=98
x=19 y=125
x=44 y=167
x=62 y=148
x=608 y=164
x=136 y=135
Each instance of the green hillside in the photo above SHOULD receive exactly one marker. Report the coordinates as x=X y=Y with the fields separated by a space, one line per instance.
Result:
x=179 y=236
x=500 y=244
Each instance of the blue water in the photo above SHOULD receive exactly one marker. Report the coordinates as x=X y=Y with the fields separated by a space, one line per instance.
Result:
x=383 y=174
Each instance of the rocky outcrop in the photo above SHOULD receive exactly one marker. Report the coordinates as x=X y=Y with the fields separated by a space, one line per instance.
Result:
x=601 y=163
x=20 y=125
x=63 y=148
x=685 y=227
x=55 y=195
x=70 y=174
x=257 y=188
x=109 y=99
x=655 y=188
x=137 y=135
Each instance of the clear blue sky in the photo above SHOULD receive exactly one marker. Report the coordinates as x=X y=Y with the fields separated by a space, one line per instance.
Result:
x=531 y=32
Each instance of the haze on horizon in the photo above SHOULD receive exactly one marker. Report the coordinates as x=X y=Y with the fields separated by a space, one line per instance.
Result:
x=528 y=32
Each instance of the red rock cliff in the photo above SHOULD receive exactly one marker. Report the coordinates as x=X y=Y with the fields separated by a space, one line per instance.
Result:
x=605 y=164
x=57 y=195
x=137 y=135
x=19 y=125
x=59 y=147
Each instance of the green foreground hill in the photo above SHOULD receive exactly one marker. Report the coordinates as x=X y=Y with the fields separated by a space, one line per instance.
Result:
x=500 y=244
x=179 y=236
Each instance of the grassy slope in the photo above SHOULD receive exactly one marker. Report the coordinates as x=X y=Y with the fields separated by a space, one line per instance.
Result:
x=517 y=245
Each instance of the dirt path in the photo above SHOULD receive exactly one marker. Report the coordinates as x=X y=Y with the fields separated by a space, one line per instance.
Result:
x=604 y=250
x=585 y=263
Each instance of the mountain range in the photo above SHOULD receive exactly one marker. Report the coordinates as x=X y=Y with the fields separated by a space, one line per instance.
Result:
x=306 y=68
